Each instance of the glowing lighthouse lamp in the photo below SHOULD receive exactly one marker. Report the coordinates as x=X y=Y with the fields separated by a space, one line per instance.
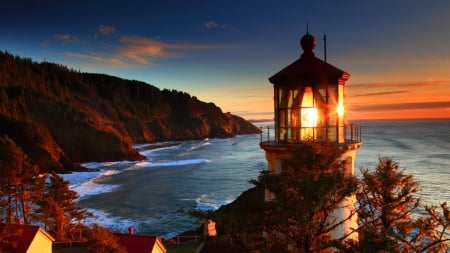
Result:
x=309 y=105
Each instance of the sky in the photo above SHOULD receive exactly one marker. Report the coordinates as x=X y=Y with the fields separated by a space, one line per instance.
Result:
x=397 y=52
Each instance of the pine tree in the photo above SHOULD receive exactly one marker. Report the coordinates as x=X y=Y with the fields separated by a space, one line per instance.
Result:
x=20 y=183
x=58 y=210
x=102 y=240
x=388 y=213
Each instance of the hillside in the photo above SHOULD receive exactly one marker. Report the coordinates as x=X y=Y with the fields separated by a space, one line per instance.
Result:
x=61 y=117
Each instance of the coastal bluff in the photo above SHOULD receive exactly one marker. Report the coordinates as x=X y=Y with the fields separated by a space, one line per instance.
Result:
x=61 y=117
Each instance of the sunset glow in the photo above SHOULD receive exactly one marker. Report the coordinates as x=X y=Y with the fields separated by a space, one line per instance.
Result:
x=223 y=52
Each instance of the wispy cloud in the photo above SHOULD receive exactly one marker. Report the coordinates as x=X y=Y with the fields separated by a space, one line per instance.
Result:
x=65 y=38
x=213 y=24
x=106 y=30
x=403 y=106
x=398 y=84
x=97 y=59
x=143 y=50
x=382 y=89
x=126 y=50
x=369 y=94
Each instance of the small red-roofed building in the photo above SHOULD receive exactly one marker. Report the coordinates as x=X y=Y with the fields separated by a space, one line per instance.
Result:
x=19 y=238
x=140 y=243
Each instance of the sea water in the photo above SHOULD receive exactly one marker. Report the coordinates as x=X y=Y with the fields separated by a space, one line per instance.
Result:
x=205 y=174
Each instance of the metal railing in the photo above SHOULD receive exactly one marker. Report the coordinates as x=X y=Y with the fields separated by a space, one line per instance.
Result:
x=352 y=134
x=355 y=134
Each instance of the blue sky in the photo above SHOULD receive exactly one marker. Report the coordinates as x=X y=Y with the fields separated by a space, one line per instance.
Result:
x=397 y=52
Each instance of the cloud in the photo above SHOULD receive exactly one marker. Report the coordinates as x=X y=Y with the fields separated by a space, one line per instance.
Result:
x=253 y=113
x=380 y=93
x=382 y=89
x=66 y=38
x=135 y=50
x=213 y=24
x=398 y=84
x=142 y=50
x=125 y=50
x=98 y=59
x=106 y=30
x=403 y=106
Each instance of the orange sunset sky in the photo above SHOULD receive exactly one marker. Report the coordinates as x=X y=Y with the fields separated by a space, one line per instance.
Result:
x=397 y=52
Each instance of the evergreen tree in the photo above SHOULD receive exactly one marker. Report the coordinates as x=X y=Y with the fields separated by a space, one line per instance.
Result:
x=101 y=240
x=58 y=210
x=30 y=191
x=20 y=183
x=388 y=213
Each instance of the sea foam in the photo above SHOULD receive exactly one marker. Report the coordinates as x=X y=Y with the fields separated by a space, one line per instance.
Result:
x=85 y=184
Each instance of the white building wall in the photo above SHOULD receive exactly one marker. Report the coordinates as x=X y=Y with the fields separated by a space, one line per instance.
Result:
x=41 y=243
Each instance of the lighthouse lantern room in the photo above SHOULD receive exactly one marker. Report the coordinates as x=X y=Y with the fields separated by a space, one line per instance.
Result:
x=309 y=99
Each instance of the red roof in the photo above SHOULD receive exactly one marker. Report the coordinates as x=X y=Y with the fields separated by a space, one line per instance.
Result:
x=137 y=243
x=309 y=70
x=18 y=237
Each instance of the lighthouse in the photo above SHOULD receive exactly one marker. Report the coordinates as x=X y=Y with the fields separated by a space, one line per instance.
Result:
x=309 y=106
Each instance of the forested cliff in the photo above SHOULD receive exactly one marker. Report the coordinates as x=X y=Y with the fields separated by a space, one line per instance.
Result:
x=61 y=117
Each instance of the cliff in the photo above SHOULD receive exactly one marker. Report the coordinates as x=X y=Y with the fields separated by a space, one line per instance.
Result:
x=61 y=117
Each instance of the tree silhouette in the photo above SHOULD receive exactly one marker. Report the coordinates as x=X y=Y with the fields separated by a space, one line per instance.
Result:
x=20 y=183
x=309 y=188
x=388 y=213
x=58 y=210
x=101 y=240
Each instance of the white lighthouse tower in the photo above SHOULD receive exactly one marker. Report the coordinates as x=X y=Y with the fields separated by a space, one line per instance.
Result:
x=309 y=105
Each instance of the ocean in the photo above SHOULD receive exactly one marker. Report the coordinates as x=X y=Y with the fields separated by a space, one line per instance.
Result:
x=205 y=174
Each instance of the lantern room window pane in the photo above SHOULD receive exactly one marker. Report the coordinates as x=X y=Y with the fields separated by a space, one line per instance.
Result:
x=281 y=98
x=308 y=98
x=295 y=124
x=293 y=98
x=282 y=118
x=295 y=118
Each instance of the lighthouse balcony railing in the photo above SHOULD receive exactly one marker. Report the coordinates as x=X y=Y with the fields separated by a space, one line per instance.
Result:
x=352 y=133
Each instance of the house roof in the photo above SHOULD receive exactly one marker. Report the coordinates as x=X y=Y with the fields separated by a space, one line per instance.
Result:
x=309 y=69
x=18 y=237
x=137 y=243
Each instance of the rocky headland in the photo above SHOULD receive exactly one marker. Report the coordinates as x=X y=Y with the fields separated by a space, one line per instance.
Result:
x=61 y=117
